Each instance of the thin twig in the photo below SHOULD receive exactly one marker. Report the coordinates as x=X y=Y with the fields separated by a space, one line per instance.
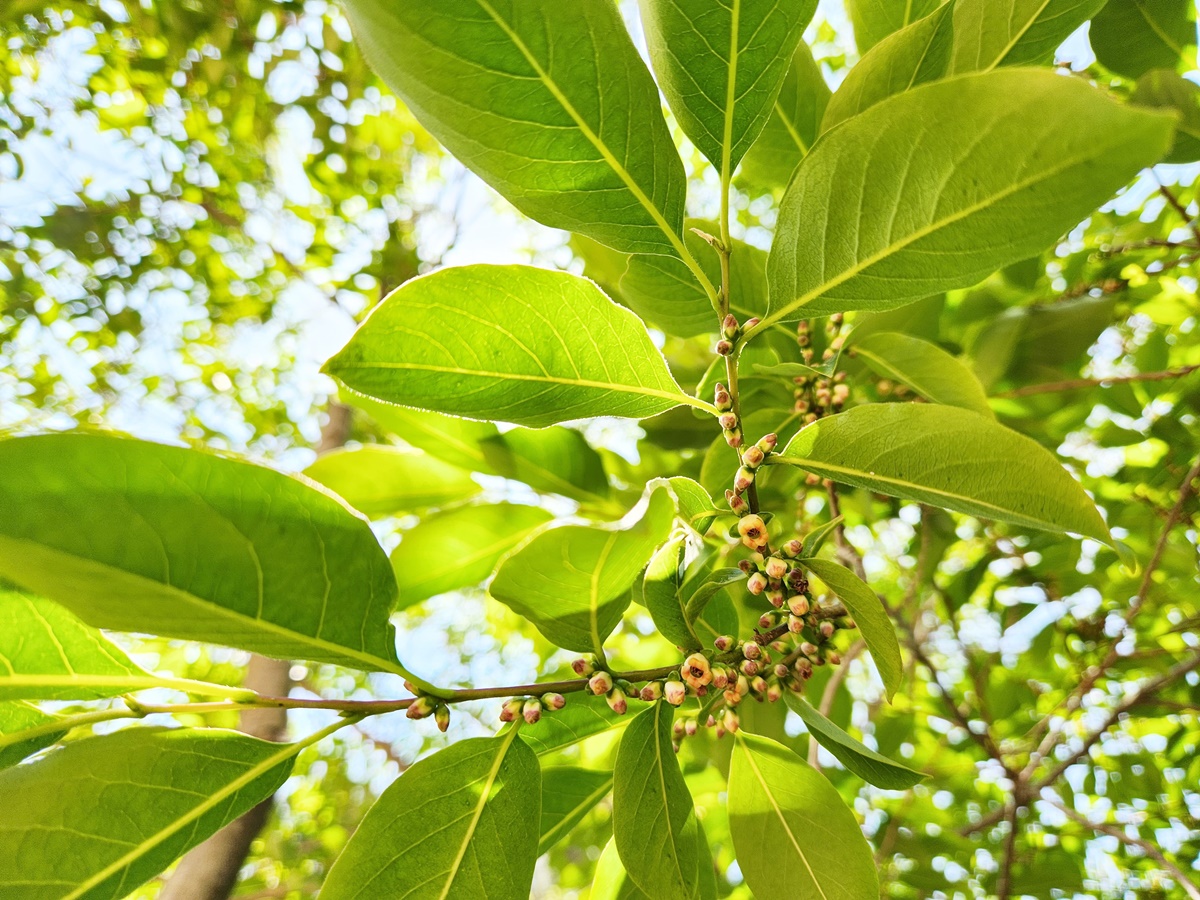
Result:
x=1004 y=883
x=1054 y=387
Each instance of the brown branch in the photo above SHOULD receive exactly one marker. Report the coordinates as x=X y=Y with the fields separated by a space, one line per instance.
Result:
x=1004 y=883
x=1054 y=387
x=830 y=693
x=1176 y=205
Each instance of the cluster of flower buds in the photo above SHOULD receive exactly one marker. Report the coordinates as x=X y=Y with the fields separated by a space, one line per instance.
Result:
x=423 y=707
x=530 y=708
x=615 y=692
x=730 y=427
x=752 y=458
x=730 y=332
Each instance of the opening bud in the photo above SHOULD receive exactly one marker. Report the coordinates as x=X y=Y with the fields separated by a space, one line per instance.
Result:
x=804 y=668
x=674 y=692
x=554 y=701
x=617 y=701
x=600 y=683
x=441 y=715
x=753 y=531
x=776 y=567
x=696 y=671
x=797 y=581
x=732 y=697
x=532 y=711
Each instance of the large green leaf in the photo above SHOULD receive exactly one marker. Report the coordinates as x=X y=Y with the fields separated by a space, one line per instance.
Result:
x=660 y=595
x=654 y=821
x=793 y=125
x=554 y=460
x=112 y=812
x=870 y=616
x=992 y=33
x=1165 y=89
x=864 y=762
x=582 y=717
x=611 y=881
x=459 y=825
x=24 y=730
x=568 y=794
x=556 y=112
x=947 y=457
x=573 y=582
x=721 y=66
x=449 y=438
x=459 y=548
x=923 y=366
x=873 y=20
x=794 y=836
x=918 y=53
x=693 y=503
x=508 y=343
x=389 y=481
x=664 y=291
x=46 y=654
x=1131 y=37
x=1018 y=156
x=142 y=537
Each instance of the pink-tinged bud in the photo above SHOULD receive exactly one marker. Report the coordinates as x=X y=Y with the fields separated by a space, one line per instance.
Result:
x=743 y=479
x=724 y=642
x=849 y=623
x=775 y=597
x=797 y=582
x=411 y=688
x=793 y=548
x=808 y=649
x=752 y=457
x=766 y=620
x=720 y=732
x=731 y=721
x=750 y=323
x=826 y=629
x=511 y=710
x=776 y=567
x=768 y=442
x=779 y=646
x=758 y=685
x=728 y=420
x=724 y=348
x=532 y=711
x=841 y=393
x=600 y=683
x=674 y=692
x=733 y=438
x=753 y=531
x=798 y=605
x=554 y=701
x=835 y=658
x=749 y=667
x=751 y=650
x=729 y=327
x=696 y=671
x=652 y=691
x=582 y=667
x=804 y=668
x=743 y=685
x=737 y=504
x=723 y=401
x=617 y=701
x=774 y=693
x=420 y=708
x=677 y=728
x=781 y=671
x=795 y=624
x=441 y=715
x=732 y=697
x=690 y=727
x=710 y=721
x=756 y=583
x=720 y=678
x=747 y=566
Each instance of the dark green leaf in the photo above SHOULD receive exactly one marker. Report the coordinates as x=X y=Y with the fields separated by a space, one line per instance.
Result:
x=1163 y=89
x=378 y=480
x=660 y=595
x=715 y=582
x=817 y=537
x=859 y=759
x=925 y=367
x=950 y=458
x=568 y=794
x=459 y=825
x=24 y=730
x=508 y=343
x=553 y=460
x=1131 y=37
x=573 y=582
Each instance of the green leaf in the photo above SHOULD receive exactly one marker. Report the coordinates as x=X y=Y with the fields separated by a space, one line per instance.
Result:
x=453 y=440
x=508 y=343
x=793 y=125
x=517 y=92
x=694 y=505
x=714 y=582
x=1019 y=157
x=873 y=20
x=660 y=595
x=654 y=821
x=141 y=537
x=459 y=548
x=568 y=794
x=611 y=881
x=110 y=812
x=794 y=836
x=553 y=460
x=378 y=480
x=992 y=33
x=582 y=717
x=664 y=291
x=459 y=825
x=918 y=53
x=864 y=762
x=572 y=582
x=950 y=458
x=721 y=66
x=872 y=619
x=1163 y=89
x=925 y=367
x=23 y=731
x=817 y=537
x=47 y=654
x=1134 y=36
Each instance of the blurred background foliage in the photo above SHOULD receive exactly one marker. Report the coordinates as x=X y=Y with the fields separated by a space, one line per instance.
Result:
x=198 y=200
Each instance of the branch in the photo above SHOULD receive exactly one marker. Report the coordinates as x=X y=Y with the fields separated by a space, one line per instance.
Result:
x=1054 y=387
x=1004 y=884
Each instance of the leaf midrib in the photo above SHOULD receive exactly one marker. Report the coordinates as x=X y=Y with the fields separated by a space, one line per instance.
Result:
x=551 y=837
x=1029 y=23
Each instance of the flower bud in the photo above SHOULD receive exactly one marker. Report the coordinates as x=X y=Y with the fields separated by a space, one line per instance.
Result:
x=690 y=727
x=804 y=668
x=767 y=442
x=756 y=583
x=793 y=548
x=750 y=323
x=728 y=420
x=511 y=710
x=410 y=687
x=798 y=605
x=731 y=721
x=554 y=701
x=752 y=457
x=582 y=667
x=849 y=623
x=826 y=629
x=766 y=620
x=749 y=667
x=753 y=531
x=797 y=581
x=781 y=671
x=795 y=624
x=720 y=732
x=420 y=708
x=774 y=693
x=758 y=685
x=729 y=327
x=775 y=597
x=776 y=567
x=751 y=650
x=841 y=393
x=743 y=479
x=737 y=504
x=809 y=649
x=674 y=692
x=724 y=348
x=696 y=671
x=532 y=711
x=617 y=701
x=652 y=691
x=441 y=715
x=600 y=683
x=747 y=566
x=835 y=658
x=724 y=642
x=733 y=437
x=677 y=728
x=720 y=678
x=721 y=398
x=743 y=685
